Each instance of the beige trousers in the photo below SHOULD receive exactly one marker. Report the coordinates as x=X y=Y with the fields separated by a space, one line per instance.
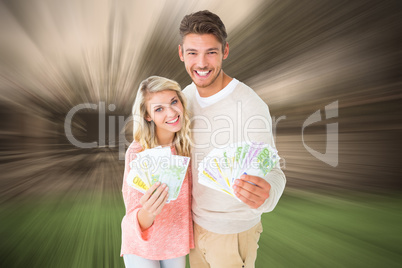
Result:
x=214 y=250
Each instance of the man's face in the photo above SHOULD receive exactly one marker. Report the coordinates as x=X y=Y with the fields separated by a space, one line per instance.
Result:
x=202 y=56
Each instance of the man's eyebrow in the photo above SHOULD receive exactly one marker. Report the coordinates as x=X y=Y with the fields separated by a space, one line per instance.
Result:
x=209 y=49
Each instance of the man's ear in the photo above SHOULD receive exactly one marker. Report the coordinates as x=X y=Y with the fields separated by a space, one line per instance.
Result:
x=181 y=53
x=226 y=51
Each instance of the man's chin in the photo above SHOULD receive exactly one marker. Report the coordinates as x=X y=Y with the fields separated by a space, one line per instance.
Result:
x=203 y=85
x=206 y=83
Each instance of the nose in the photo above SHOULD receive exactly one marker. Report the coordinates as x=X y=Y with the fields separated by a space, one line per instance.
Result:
x=171 y=112
x=202 y=63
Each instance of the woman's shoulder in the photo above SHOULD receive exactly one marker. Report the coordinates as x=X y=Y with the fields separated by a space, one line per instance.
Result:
x=132 y=150
x=135 y=147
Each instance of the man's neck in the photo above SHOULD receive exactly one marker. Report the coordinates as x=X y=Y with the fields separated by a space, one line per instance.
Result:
x=220 y=83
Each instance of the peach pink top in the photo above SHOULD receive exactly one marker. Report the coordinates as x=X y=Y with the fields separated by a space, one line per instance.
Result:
x=171 y=234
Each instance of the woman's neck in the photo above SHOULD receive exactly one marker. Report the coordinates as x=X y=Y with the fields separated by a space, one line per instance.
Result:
x=164 y=140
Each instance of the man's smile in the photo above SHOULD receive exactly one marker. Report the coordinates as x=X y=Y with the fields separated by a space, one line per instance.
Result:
x=202 y=73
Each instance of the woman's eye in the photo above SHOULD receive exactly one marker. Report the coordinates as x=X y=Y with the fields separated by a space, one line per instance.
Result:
x=174 y=102
x=158 y=110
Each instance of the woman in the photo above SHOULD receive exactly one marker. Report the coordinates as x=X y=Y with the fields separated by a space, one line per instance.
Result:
x=156 y=233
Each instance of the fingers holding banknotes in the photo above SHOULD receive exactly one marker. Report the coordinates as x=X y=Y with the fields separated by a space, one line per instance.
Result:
x=152 y=203
x=154 y=198
x=252 y=190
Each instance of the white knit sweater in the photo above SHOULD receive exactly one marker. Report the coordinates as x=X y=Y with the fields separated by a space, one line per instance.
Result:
x=241 y=116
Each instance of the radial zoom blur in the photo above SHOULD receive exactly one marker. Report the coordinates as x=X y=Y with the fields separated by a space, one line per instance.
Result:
x=330 y=72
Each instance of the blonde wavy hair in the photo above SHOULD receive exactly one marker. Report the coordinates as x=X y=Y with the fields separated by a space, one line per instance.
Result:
x=144 y=131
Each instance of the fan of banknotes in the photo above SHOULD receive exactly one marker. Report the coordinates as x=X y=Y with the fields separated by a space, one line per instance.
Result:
x=221 y=167
x=158 y=164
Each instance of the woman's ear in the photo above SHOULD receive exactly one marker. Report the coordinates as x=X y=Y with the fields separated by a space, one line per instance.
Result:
x=148 y=118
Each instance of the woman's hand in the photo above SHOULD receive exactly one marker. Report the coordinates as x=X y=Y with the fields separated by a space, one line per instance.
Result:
x=152 y=203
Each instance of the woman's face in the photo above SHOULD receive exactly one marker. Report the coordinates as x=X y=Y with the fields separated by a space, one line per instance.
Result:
x=166 y=110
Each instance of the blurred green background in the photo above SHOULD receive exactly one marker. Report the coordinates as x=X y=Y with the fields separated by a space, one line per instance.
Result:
x=305 y=230
x=61 y=204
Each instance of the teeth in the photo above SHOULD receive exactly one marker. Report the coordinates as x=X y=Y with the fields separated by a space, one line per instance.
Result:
x=202 y=73
x=173 y=121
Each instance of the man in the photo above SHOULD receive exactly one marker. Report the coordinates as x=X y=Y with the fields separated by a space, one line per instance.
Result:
x=224 y=111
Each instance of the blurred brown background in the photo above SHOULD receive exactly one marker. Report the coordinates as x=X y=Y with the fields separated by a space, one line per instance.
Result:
x=299 y=56
x=330 y=72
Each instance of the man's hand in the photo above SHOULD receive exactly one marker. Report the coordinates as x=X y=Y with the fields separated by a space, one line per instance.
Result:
x=252 y=190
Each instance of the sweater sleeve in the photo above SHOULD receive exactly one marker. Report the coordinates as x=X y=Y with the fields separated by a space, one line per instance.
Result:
x=276 y=178
x=132 y=198
x=259 y=128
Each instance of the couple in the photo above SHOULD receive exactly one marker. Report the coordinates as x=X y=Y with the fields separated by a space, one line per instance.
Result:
x=225 y=231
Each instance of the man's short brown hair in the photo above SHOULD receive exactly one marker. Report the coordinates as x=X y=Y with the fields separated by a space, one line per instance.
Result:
x=203 y=22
